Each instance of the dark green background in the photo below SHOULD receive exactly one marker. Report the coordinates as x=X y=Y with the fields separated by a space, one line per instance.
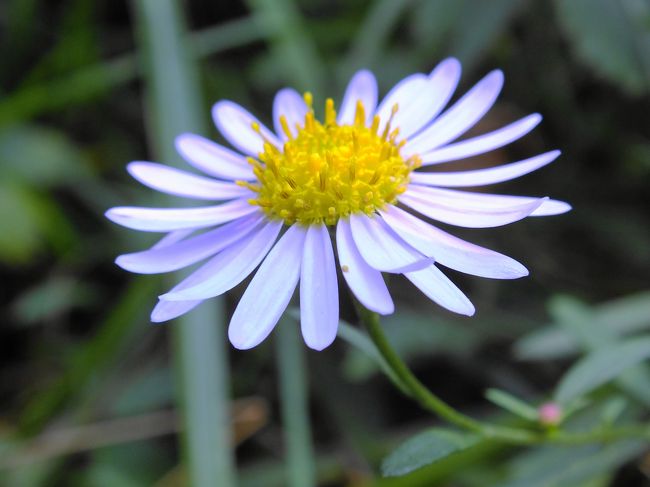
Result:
x=76 y=347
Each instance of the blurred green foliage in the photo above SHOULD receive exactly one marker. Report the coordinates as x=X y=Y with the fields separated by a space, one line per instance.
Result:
x=76 y=346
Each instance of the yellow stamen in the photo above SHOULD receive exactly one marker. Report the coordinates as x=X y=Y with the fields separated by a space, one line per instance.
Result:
x=285 y=127
x=330 y=113
x=328 y=171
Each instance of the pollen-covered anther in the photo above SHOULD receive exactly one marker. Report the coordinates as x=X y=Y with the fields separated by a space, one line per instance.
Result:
x=327 y=171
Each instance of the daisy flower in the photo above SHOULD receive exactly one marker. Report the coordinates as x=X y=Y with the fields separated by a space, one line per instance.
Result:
x=354 y=178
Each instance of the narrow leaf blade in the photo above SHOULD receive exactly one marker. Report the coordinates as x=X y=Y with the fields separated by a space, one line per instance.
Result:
x=600 y=367
x=426 y=448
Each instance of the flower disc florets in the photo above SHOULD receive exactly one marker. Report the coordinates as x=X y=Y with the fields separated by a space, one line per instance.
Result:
x=328 y=171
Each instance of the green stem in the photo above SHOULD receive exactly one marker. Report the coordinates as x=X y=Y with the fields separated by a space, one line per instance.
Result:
x=434 y=404
x=425 y=397
x=417 y=390
x=626 y=432
x=294 y=403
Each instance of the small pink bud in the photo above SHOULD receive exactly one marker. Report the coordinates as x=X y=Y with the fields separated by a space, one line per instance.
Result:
x=549 y=413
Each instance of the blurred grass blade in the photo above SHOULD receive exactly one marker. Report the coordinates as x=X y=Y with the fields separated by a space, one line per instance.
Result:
x=361 y=341
x=94 y=80
x=174 y=107
x=373 y=34
x=293 y=49
x=294 y=396
x=482 y=23
x=116 y=331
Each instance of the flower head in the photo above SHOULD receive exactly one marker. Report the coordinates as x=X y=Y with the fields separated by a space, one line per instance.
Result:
x=550 y=414
x=354 y=172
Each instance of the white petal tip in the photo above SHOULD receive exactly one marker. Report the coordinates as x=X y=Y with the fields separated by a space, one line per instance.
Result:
x=241 y=344
x=122 y=262
x=113 y=215
x=497 y=74
x=158 y=318
x=319 y=346
x=450 y=64
x=512 y=270
x=182 y=140
x=386 y=309
x=551 y=207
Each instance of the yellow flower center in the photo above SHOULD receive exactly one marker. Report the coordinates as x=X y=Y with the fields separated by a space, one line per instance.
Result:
x=328 y=171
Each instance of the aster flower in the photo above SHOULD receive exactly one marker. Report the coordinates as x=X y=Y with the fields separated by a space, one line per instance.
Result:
x=358 y=175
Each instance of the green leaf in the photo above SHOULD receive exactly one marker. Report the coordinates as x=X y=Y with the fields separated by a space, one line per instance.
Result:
x=621 y=316
x=554 y=466
x=35 y=220
x=51 y=298
x=511 y=403
x=426 y=448
x=39 y=156
x=612 y=37
x=576 y=318
x=600 y=367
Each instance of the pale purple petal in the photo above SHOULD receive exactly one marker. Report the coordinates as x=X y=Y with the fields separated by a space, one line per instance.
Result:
x=289 y=103
x=440 y=87
x=419 y=98
x=438 y=288
x=212 y=158
x=270 y=291
x=451 y=251
x=168 y=219
x=406 y=95
x=469 y=216
x=552 y=207
x=231 y=266
x=382 y=248
x=482 y=143
x=174 y=256
x=472 y=200
x=181 y=183
x=168 y=310
x=366 y=283
x=481 y=177
x=173 y=237
x=235 y=124
x=319 y=294
x=363 y=88
x=460 y=117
